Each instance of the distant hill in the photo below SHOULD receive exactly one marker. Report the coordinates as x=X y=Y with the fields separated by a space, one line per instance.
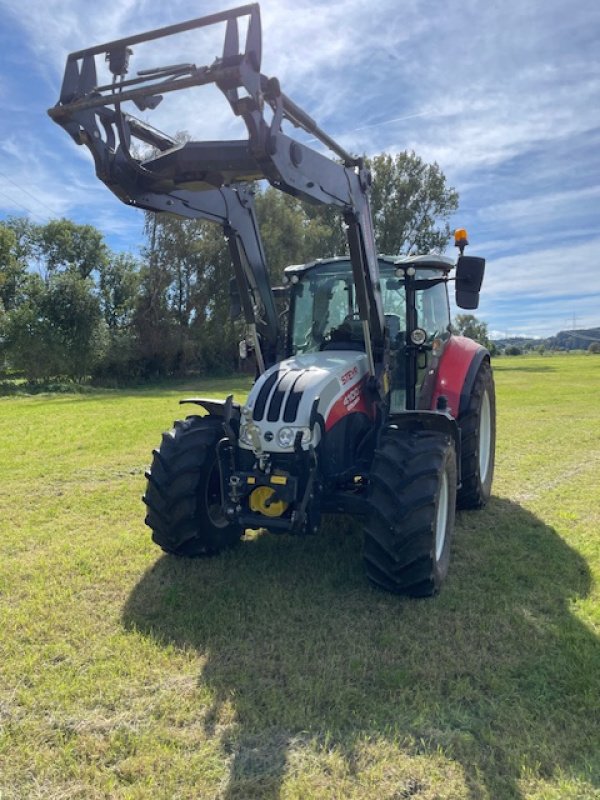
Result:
x=563 y=340
x=524 y=342
x=573 y=340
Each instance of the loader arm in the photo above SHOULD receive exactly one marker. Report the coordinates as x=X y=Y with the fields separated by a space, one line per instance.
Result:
x=212 y=180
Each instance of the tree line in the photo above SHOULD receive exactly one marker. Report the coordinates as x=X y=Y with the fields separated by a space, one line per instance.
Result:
x=72 y=308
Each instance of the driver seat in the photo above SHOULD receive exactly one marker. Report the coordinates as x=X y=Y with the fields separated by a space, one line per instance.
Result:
x=347 y=336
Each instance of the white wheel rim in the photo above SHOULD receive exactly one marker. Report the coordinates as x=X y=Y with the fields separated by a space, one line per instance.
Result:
x=441 y=519
x=485 y=437
x=213 y=509
x=216 y=516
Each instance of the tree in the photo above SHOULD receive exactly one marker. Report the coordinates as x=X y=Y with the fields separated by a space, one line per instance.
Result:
x=410 y=204
x=594 y=347
x=26 y=234
x=30 y=343
x=55 y=330
x=73 y=311
x=182 y=316
x=13 y=269
x=468 y=325
x=51 y=322
x=63 y=244
x=118 y=286
x=153 y=324
x=118 y=291
x=283 y=221
x=294 y=232
x=325 y=233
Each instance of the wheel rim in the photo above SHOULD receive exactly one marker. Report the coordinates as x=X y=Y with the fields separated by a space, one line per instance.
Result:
x=213 y=500
x=485 y=437
x=441 y=519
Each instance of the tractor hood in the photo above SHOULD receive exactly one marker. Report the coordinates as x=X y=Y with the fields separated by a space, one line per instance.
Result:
x=281 y=401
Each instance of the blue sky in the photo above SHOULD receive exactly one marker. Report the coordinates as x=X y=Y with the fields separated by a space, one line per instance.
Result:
x=504 y=96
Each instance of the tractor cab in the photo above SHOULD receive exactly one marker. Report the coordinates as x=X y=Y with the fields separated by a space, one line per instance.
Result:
x=324 y=316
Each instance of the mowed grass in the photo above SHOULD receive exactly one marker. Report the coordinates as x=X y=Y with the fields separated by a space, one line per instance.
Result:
x=274 y=671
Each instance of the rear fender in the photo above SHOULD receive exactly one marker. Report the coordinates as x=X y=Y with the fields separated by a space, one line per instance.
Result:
x=456 y=373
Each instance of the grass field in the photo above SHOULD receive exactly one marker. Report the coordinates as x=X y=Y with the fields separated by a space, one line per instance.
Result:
x=274 y=671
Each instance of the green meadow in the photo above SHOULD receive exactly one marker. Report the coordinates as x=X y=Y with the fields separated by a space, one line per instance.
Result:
x=274 y=670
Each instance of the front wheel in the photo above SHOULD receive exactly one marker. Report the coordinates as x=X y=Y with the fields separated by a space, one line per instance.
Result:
x=410 y=524
x=183 y=493
x=478 y=442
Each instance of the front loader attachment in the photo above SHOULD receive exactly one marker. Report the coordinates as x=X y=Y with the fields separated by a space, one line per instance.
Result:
x=93 y=114
x=205 y=179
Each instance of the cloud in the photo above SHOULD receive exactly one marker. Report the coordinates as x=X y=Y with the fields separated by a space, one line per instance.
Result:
x=461 y=108
x=55 y=27
x=542 y=291
x=547 y=272
x=544 y=320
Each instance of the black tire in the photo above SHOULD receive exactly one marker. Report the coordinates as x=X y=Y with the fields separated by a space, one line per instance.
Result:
x=478 y=442
x=183 y=491
x=410 y=522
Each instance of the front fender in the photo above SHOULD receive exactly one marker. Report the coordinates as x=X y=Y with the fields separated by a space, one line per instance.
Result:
x=456 y=373
x=429 y=421
x=227 y=409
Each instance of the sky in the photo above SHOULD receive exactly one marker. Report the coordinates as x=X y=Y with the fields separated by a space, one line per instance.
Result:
x=504 y=96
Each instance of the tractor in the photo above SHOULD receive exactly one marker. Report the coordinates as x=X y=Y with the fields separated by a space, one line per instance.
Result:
x=364 y=402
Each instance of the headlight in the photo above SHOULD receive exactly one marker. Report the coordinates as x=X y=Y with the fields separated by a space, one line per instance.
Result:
x=245 y=435
x=418 y=336
x=287 y=436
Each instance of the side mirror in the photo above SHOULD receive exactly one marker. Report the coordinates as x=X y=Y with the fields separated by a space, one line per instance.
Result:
x=469 y=276
x=235 y=303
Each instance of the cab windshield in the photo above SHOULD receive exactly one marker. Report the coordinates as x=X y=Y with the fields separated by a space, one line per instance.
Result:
x=325 y=313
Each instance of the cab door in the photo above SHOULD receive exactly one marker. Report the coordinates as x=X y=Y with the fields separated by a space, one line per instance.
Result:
x=433 y=316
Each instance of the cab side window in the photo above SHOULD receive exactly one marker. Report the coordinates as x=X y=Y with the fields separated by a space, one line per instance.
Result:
x=433 y=311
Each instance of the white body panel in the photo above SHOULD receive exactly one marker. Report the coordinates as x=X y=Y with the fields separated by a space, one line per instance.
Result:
x=284 y=395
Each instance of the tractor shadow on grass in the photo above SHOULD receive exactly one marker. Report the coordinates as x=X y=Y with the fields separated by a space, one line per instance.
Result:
x=495 y=681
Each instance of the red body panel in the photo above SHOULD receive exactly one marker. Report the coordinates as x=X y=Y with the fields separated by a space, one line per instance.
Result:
x=452 y=371
x=352 y=401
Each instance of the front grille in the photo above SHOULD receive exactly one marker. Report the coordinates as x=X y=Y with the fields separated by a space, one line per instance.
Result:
x=263 y=396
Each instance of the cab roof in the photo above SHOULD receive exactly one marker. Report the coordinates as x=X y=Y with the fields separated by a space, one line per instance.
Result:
x=430 y=261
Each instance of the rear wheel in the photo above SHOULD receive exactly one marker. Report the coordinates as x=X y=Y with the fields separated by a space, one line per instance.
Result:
x=478 y=442
x=183 y=493
x=411 y=512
